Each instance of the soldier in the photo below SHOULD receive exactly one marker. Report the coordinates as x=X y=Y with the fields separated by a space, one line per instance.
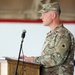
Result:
x=57 y=55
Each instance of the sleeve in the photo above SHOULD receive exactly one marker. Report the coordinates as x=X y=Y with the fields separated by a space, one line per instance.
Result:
x=56 y=54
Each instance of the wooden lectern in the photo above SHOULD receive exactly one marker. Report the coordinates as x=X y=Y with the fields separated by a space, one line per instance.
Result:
x=8 y=67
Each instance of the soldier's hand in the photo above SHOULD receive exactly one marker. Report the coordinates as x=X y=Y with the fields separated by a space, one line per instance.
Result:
x=28 y=59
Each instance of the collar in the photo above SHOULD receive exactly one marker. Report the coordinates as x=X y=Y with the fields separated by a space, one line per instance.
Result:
x=55 y=30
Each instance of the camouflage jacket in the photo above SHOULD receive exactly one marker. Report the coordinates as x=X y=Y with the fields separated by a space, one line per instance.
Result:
x=57 y=55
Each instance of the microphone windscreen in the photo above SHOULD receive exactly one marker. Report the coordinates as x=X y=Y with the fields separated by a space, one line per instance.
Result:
x=23 y=34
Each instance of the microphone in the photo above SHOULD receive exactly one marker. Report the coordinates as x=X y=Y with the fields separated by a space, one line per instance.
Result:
x=23 y=34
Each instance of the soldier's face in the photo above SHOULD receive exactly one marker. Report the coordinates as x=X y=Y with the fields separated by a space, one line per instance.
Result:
x=46 y=18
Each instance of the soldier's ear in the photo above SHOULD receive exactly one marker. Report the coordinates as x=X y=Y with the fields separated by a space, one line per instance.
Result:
x=53 y=15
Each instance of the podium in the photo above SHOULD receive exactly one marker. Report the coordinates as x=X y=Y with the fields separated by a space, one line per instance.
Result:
x=8 y=67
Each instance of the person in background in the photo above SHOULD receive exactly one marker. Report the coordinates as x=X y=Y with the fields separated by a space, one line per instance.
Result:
x=57 y=56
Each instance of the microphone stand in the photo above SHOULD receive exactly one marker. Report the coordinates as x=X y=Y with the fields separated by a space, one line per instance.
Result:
x=19 y=56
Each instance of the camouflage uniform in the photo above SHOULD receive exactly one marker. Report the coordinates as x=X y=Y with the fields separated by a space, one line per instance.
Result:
x=57 y=56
